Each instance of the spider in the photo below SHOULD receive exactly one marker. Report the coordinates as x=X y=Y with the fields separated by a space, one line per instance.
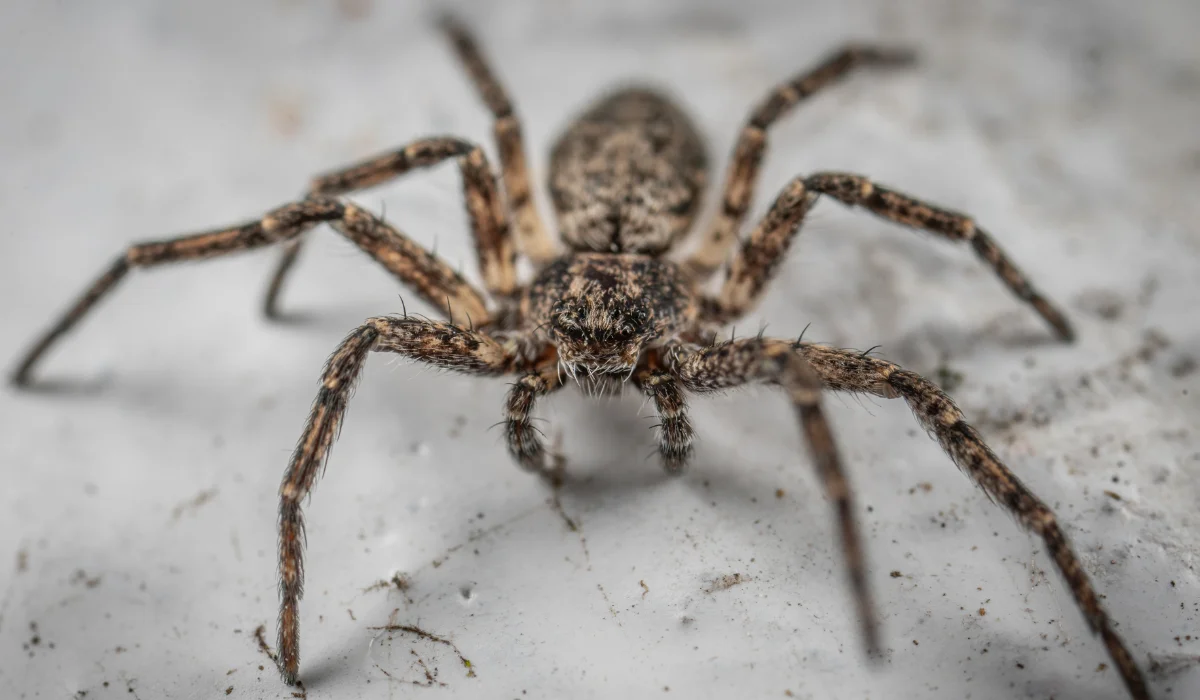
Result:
x=626 y=178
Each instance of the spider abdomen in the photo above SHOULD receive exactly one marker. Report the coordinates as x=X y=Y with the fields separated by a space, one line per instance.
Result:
x=628 y=174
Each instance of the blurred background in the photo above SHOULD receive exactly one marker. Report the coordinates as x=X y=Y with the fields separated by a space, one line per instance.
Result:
x=137 y=507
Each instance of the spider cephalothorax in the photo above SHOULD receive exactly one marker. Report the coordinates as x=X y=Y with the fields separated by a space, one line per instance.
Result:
x=625 y=179
x=601 y=311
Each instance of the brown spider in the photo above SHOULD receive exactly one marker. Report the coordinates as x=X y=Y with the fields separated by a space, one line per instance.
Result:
x=626 y=178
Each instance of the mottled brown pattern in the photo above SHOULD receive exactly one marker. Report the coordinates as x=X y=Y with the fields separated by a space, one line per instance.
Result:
x=485 y=211
x=742 y=177
x=845 y=370
x=675 y=433
x=525 y=443
x=757 y=360
x=627 y=175
x=752 y=269
x=532 y=238
x=601 y=311
x=432 y=279
x=857 y=190
x=439 y=344
x=626 y=178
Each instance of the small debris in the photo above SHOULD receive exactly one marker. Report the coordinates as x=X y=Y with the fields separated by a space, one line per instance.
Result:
x=982 y=612
x=1113 y=495
x=947 y=378
x=1183 y=367
x=194 y=504
x=229 y=690
x=896 y=574
x=260 y=633
x=354 y=9
x=646 y=589
x=80 y=577
x=22 y=561
x=1101 y=667
x=412 y=629
x=780 y=493
x=724 y=583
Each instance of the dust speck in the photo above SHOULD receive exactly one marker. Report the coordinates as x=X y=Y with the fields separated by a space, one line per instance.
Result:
x=724 y=583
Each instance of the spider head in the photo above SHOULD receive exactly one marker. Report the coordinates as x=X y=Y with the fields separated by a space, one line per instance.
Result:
x=600 y=333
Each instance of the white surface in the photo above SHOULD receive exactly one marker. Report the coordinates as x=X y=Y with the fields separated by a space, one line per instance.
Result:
x=139 y=495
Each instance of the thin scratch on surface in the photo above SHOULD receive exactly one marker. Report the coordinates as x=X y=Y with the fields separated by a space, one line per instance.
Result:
x=194 y=504
x=236 y=544
x=478 y=535
x=612 y=609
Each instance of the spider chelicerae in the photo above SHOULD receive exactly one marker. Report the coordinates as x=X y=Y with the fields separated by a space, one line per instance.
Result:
x=626 y=178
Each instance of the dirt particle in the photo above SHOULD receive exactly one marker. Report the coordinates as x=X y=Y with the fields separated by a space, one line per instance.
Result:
x=22 y=561
x=286 y=114
x=80 y=577
x=1113 y=495
x=982 y=612
x=646 y=589
x=1101 y=667
x=193 y=504
x=895 y=574
x=260 y=633
x=724 y=583
x=354 y=9
x=429 y=636
x=1183 y=367
x=780 y=493
x=948 y=378
x=229 y=690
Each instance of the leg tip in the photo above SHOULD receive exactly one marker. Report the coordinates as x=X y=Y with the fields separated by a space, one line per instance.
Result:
x=20 y=379
x=890 y=56
x=674 y=464
x=1064 y=331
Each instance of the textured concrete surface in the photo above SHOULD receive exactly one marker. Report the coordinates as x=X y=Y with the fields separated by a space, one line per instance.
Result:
x=137 y=508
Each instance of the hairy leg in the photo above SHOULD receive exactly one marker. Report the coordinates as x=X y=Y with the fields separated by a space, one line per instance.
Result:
x=755 y=360
x=485 y=210
x=525 y=443
x=435 y=281
x=442 y=345
x=843 y=370
x=675 y=433
x=755 y=265
x=532 y=237
x=742 y=177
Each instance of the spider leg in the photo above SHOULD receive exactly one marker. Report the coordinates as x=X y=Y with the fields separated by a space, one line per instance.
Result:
x=525 y=443
x=443 y=345
x=845 y=370
x=485 y=210
x=675 y=433
x=761 y=253
x=757 y=360
x=433 y=279
x=742 y=177
x=532 y=237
